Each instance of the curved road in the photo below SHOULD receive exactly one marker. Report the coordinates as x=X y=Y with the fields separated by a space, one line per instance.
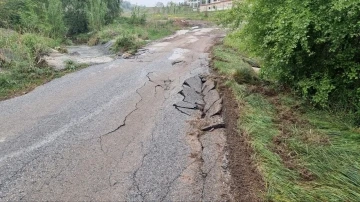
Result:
x=111 y=132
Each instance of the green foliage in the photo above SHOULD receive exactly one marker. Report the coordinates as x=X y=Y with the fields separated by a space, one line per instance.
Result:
x=152 y=30
x=33 y=17
x=55 y=18
x=82 y=16
x=244 y=74
x=44 y=17
x=23 y=68
x=303 y=154
x=35 y=45
x=113 y=10
x=228 y=61
x=96 y=11
x=75 y=16
x=9 y=15
x=73 y=66
x=312 y=45
x=127 y=43
x=138 y=16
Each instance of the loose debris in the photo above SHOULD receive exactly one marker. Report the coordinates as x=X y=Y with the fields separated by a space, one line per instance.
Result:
x=200 y=94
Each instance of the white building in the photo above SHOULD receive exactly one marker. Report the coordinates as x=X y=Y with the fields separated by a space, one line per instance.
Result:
x=195 y=4
x=216 y=5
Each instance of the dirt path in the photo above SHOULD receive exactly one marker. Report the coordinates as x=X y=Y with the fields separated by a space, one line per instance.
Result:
x=121 y=131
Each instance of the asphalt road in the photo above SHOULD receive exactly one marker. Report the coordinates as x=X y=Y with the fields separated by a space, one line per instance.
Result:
x=110 y=132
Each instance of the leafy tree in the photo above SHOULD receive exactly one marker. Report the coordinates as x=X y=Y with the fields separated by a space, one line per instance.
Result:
x=55 y=17
x=312 y=45
x=33 y=17
x=113 y=10
x=159 y=5
x=75 y=16
x=96 y=11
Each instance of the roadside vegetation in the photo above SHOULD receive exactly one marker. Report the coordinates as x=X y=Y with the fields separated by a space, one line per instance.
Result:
x=31 y=29
x=304 y=153
x=301 y=113
x=21 y=66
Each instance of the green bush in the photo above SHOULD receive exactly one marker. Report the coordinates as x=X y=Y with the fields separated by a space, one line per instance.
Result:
x=37 y=46
x=311 y=45
x=244 y=74
x=127 y=43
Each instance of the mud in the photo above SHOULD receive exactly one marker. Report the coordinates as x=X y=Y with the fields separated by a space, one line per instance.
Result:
x=246 y=182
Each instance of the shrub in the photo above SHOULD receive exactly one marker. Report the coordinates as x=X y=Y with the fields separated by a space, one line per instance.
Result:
x=244 y=74
x=127 y=43
x=311 y=45
x=35 y=44
x=75 y=16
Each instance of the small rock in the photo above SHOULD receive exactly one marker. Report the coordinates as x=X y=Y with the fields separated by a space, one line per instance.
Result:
x=212 y=123
x=257 y=70
x=251 y=62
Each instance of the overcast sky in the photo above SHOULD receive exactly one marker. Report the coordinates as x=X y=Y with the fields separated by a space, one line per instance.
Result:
x=151 y=2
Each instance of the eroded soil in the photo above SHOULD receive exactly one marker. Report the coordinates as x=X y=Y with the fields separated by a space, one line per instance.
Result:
x=246 y=181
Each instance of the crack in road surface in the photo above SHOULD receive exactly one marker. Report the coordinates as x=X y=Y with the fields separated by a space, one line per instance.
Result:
x=120 y=131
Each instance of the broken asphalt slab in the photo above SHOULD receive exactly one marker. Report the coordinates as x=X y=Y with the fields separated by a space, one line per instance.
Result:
x=200 y=94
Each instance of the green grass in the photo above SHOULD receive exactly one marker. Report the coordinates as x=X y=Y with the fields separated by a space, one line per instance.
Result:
x=303 y=153
x=152 y=30
x=129 y=37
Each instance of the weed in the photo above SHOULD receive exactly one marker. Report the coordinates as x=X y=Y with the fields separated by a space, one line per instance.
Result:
x=73 y=66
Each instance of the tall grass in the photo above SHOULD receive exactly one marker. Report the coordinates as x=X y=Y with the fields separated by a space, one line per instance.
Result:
x=21 y=66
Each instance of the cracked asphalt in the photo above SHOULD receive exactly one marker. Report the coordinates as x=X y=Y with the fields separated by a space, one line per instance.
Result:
x=110 y=132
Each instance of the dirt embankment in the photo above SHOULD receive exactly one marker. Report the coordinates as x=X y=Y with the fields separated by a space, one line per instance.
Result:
x=246 y=184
